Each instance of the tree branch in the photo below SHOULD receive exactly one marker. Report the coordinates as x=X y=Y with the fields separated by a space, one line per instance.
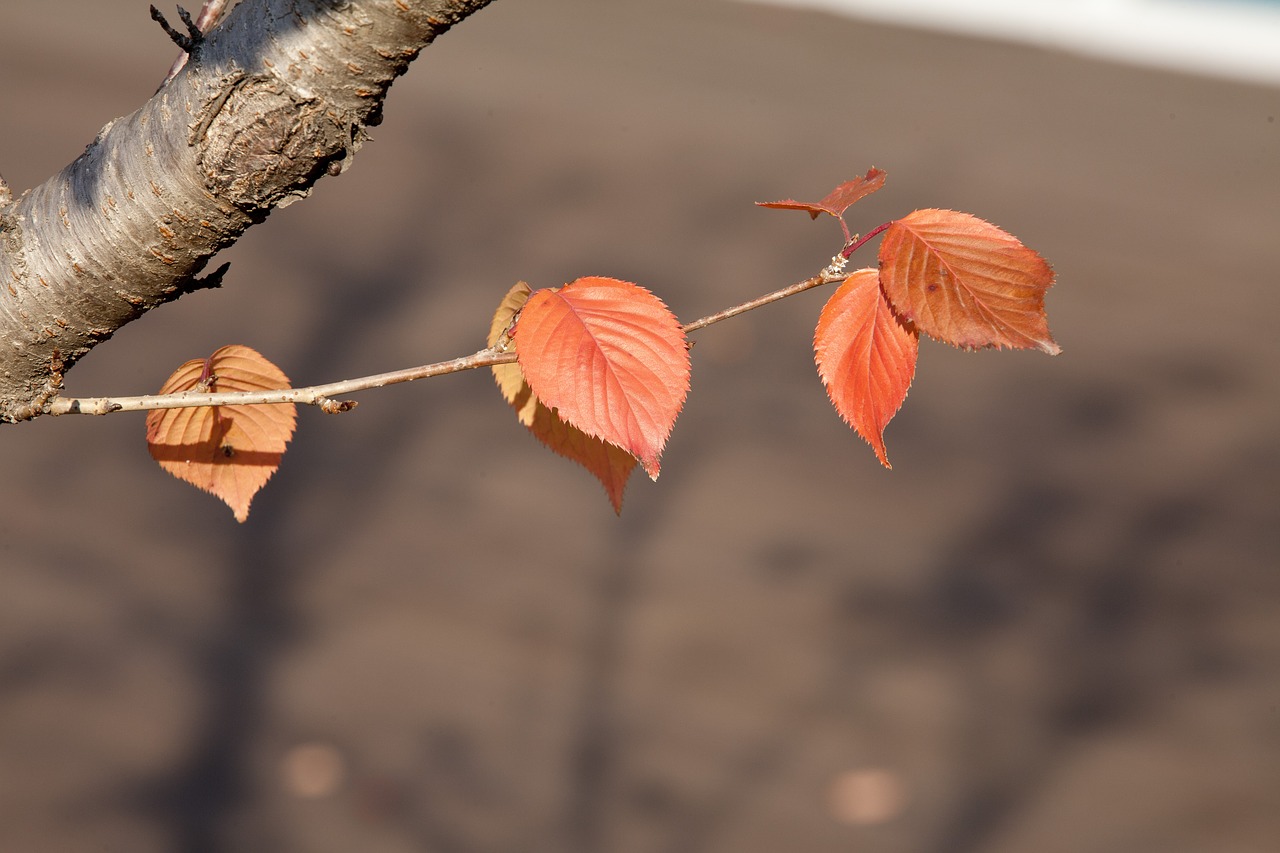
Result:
x=275 y=96
x=322 y=395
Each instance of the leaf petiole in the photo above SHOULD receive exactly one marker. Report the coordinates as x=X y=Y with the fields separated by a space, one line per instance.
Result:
x=856 y=242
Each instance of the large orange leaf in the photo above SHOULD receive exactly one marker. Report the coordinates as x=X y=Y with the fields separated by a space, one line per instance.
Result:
x=866 y=357
x=228 y=451
x=966 y=282
x=611 y=465
x=838 y=200
x=612 y=360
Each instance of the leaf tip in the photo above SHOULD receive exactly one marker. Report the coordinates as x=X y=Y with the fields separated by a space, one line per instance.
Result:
x=883 y=456
x=650 y=462
x=875 y=438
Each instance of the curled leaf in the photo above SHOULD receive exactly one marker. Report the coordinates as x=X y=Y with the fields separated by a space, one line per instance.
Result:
x=610 y=358
x=509 y=377
x=838 y=200
x=866 y=357
x=229 y=451
x=965 y=281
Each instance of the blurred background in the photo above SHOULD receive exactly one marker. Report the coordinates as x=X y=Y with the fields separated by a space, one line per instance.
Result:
x=1232 y=39
x=1054 y=626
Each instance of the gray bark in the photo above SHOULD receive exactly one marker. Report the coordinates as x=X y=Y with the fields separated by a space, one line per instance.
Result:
x=276 y=96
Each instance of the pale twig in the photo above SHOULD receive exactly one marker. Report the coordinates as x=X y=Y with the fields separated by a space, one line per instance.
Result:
x=323 y=396
x=833 y=273
x=315 y=395
x=829 y=275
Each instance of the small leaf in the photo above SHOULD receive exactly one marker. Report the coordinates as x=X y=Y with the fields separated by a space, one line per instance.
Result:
x=865 y=356
x=611 y=465
x=611 y=358
x=228 y=451
x=838 y=200
x=966 y=282
x=509 y=377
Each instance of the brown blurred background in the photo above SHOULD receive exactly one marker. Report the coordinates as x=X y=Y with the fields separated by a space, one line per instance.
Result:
x=1054 y=626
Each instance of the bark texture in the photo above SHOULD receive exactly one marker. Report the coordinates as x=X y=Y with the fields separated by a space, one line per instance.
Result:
x=274 y=98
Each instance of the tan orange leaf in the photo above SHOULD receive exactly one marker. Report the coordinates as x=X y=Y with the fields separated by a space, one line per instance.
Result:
x=966 y=282
x=866 y=357
x=509 y=377
x=228 y=451
x=611 y=358
x=611 y=465
x=838 y=200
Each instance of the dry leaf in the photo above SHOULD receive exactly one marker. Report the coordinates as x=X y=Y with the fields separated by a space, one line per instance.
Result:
x=966 y=282
x=228 y=451
x=838 y=200
x=611 y=465
x=612 y=360
x=865 y=356
x=509 y=377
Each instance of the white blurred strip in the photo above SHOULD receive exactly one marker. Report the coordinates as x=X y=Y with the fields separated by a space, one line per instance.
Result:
x=1226 y=38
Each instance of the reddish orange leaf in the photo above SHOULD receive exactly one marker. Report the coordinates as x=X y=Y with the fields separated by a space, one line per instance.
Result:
x=966 y=282
x=611 y=465
x=611 y=358
x=866 y=357
x=838 y=200
x=229 y=451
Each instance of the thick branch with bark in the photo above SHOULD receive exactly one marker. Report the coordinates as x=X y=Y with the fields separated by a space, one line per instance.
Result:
x=275 y=97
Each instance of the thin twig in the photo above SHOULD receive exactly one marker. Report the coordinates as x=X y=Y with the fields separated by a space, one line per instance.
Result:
x=209 y=15
x=323 y=396
x=315 y=395
x=186 y=42
x=856 y=242
x=833 y=273
x=827 y=276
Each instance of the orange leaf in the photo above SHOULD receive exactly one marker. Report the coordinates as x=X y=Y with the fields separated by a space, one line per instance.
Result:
x=228 y=451
x=611 y=358
x=966 y=282
x=838 y=200
x=866 y=357
x=611 y=465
